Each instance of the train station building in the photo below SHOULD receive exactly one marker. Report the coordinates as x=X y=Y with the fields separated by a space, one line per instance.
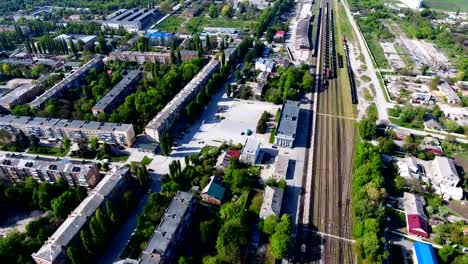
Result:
x=286 y=132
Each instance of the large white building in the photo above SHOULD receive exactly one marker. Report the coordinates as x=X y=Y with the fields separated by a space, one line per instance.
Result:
x=250 y=151
x=445 y=178
x=413 y=4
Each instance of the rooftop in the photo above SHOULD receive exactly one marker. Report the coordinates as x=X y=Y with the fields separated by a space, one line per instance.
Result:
x=20 y=121
x=19 y=91
x=424 y=253
x=251 y=146
x=272 y=200
x=54 y=246
x=288 y=122
x=115 y=92
x=215 y=188
x=167 y=229
x=179 y=99
x=39 y=101
x=414 y=204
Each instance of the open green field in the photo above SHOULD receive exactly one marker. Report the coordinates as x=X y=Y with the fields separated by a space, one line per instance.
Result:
x=196 y=24
x=447 y=5
x=171 y=24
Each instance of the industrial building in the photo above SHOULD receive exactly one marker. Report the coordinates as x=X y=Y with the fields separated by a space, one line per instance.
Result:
x=111 y=187
x=133 y=19
x=302 y=34
x=16 y=168
x=161 y=247
x=163 y=121
x=286 y=132
x=153 y=57
x=76 y=130
x=74 y=80
x=22 y=94
x=416 y=219
x=250 y=151
x=272 y=200
x=159 y=38
x=88 y=40
x=413 y=4
x=116 y=96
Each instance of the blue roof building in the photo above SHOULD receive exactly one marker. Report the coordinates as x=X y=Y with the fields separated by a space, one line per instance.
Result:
x=424 y=253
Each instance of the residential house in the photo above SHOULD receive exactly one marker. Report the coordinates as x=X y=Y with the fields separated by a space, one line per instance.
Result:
x=416 y=219
x=213 y=193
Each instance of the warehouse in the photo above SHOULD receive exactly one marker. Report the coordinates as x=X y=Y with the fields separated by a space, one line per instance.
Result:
x=22 y=94
x=133 y=20
x=302 y=33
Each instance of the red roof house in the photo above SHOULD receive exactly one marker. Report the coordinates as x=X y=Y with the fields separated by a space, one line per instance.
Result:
x=279 y=36
x=416 y=219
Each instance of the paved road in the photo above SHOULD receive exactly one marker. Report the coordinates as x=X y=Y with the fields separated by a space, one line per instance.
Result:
x=117 y=245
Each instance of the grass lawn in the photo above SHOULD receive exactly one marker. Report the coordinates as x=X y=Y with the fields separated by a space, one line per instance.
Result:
x=198 y=23
x=146 y=161
x=396 y=121
x=447 y=5
x=122 y=158
x=171 y=24
x=272 y=135
x=53 y=151
x=367 y=95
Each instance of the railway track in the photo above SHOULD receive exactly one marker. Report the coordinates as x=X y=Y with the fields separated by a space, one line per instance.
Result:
x=327 y=181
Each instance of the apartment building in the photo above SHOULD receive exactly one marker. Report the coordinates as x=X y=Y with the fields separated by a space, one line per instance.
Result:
x=111 y=187
x=152 y=57
x=162 y=246
x=74 y=80
x=164 y=120
x=16 y=168
x=116 y=96
x=76 y=130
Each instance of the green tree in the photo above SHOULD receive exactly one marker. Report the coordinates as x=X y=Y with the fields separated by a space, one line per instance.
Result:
x=279 y=245
x=226 y=11
x=75 y=255
x=367 y=129
x=269 y=224
x=434 y=83
x=208 y=231
x=166 y=145
x=232 y=236
x=447 y=253
x=64 y=204
x=94 y=142
x=307 y=81
x=213 y=11
x=87 y=240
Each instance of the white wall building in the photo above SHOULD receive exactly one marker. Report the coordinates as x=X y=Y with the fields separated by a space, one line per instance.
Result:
x=413 y=4
x=250 y=151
